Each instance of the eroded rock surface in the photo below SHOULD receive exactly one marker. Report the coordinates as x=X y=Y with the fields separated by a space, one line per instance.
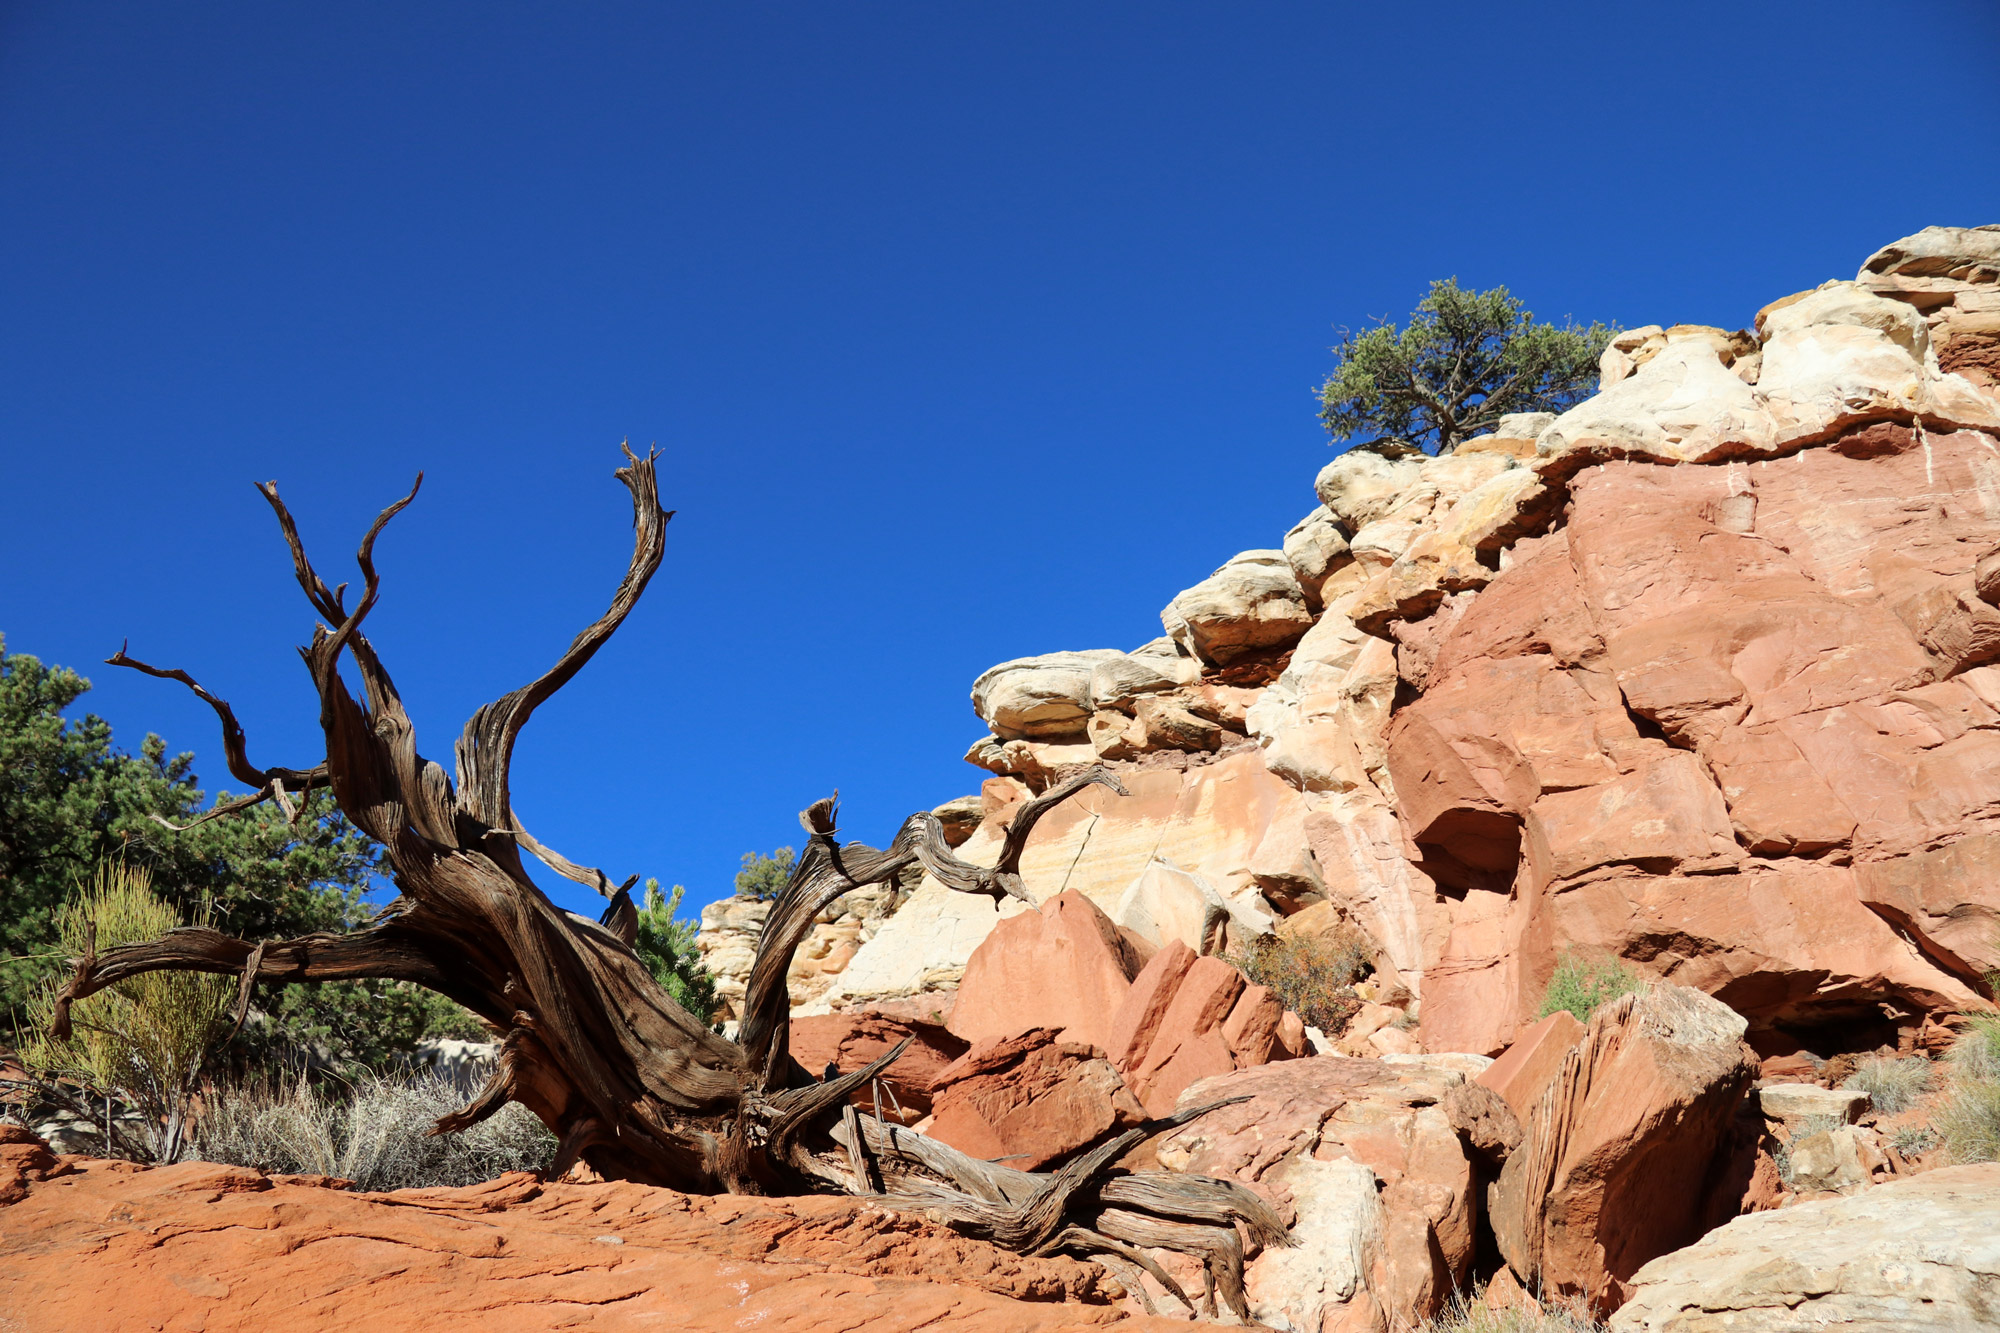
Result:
x=1361 y=1159
x=110 y=1246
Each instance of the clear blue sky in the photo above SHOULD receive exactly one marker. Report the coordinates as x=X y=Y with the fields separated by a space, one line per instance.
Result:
x=967 y=332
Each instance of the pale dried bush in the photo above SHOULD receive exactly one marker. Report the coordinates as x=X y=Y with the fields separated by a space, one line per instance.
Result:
x=375 y=1133
x=1892 y=1085
x=1312 y=975
x=1968 y=1118
x=1466 y=1313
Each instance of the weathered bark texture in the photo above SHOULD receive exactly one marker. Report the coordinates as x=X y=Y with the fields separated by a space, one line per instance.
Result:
x=634 y=1086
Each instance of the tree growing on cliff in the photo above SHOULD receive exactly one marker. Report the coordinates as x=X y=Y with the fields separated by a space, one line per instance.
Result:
x=1464 y=360
x=632 y=1084
x=764 y=876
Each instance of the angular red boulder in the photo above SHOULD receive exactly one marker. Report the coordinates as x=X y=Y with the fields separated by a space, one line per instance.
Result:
x=1136 y=1021
x=1619 y=1143
x=1029 y=1100
x=1065 y=966
x=1521 y=1071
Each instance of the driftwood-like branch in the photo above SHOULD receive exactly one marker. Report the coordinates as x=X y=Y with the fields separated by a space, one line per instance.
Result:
x=276 y=783
x=632 y=1085
x=486 y=748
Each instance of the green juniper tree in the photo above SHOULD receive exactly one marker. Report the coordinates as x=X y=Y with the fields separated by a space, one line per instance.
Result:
x=1464 y=360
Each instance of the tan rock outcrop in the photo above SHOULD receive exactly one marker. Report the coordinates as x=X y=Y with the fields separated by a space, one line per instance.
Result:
x=1252 y=602
x=1910 y=1256
x=1045 y=697
x=1364 y=484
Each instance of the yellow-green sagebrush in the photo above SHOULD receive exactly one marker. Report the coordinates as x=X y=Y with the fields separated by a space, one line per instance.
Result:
x=142 y=1042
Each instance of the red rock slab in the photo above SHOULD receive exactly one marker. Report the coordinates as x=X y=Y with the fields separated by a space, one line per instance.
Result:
x=1525 y=1068
x=218 y=1249
x=1252 y=1026
x=1200 y=1003
x=1665 y=814
x=1030 y=1100
x=1065 y=966
x=1137 y=1019
x=852 y=1039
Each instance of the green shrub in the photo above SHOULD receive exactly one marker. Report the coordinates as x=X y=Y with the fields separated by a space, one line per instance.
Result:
x=348 y=1026
x=143 y=1041
x=1312 y=975
x=1582 y=983
x=1892 y=1085
x=375 y=1133
x=764 y=876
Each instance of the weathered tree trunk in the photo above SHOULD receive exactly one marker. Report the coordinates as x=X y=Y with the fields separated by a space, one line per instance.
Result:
x=633 y=1086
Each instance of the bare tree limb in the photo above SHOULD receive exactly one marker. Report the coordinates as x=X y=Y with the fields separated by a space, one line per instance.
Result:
x=486 y=748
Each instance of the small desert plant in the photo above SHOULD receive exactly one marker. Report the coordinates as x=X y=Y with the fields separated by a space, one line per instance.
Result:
x=1976 y=1052
x=142 y=1042
x=1467 y=1313
x=1312 y=975
x=1582 y=982
x=1911 y=1140
x=1968 y=1121
x=1892 y=1085
x=377 y=1135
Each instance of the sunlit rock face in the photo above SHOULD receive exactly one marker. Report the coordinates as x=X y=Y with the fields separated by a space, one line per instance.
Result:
x=1701 y=673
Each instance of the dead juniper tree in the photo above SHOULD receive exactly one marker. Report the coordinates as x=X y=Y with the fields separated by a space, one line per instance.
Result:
x=633 y=1086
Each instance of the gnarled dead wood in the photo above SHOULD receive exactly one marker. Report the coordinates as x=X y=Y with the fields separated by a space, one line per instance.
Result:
x=632 y=1084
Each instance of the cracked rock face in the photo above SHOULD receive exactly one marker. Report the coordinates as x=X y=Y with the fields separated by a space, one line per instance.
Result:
x=1914 y=1255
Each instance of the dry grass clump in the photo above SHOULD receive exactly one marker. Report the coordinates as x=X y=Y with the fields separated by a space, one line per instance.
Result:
x=1892 y=1085
x=376 y=1135
x=1968 y=1119
x=1312 y=975
x=1467 y=1313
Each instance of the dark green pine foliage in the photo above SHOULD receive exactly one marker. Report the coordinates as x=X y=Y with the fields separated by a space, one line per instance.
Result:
x=666 y=945
x=764 y=876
